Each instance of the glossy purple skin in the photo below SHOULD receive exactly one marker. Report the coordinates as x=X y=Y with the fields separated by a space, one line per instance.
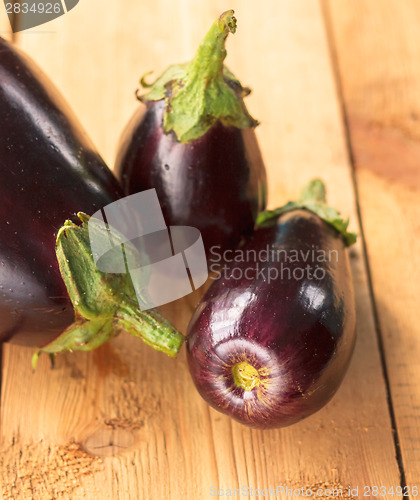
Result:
x=298 y=333
x=49 y=170
x=216 y=183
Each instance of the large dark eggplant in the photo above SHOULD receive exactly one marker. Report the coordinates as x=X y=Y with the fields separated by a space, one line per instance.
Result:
x=271 y=340
x=49 y=171
x=193 y=140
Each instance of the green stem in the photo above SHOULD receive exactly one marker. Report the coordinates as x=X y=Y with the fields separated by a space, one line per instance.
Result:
x=151 y=327
x=312 y=198
x=208 y=60
x=314 y=192
x=104 y=303
x=202 y=92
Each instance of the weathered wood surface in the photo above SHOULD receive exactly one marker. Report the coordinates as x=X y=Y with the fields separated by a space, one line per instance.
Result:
x=380 y=80
x=141 y=430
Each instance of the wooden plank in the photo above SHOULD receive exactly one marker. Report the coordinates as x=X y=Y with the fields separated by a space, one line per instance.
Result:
x=5 y=30
x=380 y=79
x=131 y=407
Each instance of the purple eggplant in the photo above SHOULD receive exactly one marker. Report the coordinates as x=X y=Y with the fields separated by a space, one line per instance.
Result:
x=49 y=172
x=193 y=140
x=270 y=342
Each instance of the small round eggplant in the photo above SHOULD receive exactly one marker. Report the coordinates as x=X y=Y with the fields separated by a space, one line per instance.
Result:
x=271 y=340
x=193 y=140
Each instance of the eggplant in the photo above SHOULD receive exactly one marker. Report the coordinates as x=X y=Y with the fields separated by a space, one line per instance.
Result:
x=193 y=140
x=49 y=172
x=271 y=340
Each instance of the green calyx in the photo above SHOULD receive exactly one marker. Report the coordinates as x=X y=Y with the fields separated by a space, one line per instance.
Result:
x=202 y=92
x=312 y=198
x=105 y=304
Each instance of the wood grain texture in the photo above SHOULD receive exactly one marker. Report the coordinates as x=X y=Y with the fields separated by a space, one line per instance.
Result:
x=131 y=411
x=380 y=78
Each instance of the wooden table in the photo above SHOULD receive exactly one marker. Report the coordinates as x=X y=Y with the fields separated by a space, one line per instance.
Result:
x=336 y=86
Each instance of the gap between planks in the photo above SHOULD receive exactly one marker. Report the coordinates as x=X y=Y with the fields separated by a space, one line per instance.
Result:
x=380 y=75
x=344 y=114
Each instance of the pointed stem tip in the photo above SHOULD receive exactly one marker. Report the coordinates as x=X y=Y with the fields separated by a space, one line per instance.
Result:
x=227 y=21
